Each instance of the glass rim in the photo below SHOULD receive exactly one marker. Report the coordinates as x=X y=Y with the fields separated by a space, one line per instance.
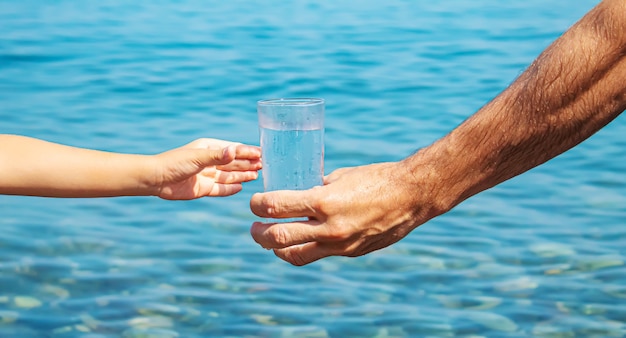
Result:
x=291 y=101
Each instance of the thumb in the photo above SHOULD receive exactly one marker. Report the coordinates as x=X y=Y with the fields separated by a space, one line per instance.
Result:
x=210 y=157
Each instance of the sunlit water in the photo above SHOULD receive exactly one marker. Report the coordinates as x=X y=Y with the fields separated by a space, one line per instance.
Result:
x=540 y=255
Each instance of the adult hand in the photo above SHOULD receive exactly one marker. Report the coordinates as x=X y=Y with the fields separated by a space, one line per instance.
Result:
x=357 y=211
x=543 y=113
x=206 y=167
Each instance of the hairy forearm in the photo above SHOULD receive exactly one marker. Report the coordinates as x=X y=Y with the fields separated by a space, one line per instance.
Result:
x=38 y=168
x=573 y=89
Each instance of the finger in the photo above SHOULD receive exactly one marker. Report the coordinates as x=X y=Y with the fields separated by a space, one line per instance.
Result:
x=284 y=204
x=208 y=157
x=221 y=190
x=304 y=254
x=241 y=165
x=282 y=235
x=227 y=177
x=244 y=151
x=213 y=172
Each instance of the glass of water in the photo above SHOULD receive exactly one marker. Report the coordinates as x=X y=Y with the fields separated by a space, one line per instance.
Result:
x=292 y=143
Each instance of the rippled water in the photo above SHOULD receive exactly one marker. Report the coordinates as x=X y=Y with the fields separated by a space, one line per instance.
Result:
x=541 y=255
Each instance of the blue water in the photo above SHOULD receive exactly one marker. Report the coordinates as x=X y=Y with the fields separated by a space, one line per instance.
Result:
x=292 y=159
x=541 y=255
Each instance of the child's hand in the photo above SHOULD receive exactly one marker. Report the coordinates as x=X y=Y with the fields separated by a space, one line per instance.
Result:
x=205 y=167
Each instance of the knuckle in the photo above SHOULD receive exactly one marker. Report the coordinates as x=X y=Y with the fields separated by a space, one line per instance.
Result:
x=295 y=258
x=340 y=235
x=324 y=205
x=279 y=236
x=340 y=232
x=271 y=204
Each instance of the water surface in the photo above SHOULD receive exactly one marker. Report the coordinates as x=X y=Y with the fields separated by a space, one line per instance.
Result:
x=540 y=255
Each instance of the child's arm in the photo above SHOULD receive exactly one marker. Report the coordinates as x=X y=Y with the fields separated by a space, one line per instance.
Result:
x=205 y=167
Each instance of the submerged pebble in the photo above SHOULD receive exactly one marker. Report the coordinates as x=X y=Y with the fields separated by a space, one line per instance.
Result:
x=81 y=328
x=548 y=250
x=492 y=320
x=89 y=321
x=264 y=319
x=159 y=309
x=390 y=332
x=517 y=284
x=55 y=290
x=26 y=302
x=151 y=322
x=289 y=332
x=149 y=333
x=469 y=303
x=597 y=263
x=63 y=329
x=485 y=303
x=546 y=330
x=8 y=317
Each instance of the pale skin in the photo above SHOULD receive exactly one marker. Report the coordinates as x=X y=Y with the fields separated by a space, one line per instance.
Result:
x=573 y=89
x=204 y=167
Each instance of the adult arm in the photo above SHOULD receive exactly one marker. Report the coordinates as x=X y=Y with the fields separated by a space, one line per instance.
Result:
x=205 y=167
x=573 y=89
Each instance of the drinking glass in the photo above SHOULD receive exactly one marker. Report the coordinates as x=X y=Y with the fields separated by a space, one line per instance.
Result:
x=292 y=143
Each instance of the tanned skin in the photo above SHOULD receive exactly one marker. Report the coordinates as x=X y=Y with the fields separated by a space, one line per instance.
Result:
x=572 y=90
